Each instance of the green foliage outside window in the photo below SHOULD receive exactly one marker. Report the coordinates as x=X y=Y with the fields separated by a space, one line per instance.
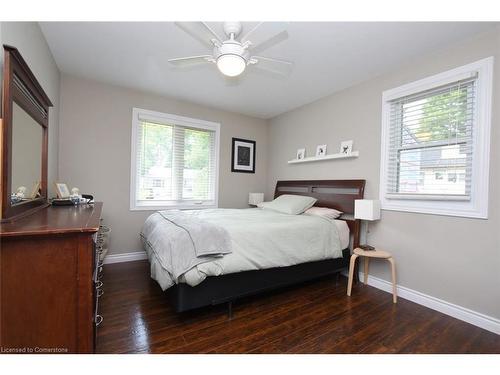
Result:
x=444 y=116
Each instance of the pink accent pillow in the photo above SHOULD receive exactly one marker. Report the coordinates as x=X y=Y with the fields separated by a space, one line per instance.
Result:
x=328 y=213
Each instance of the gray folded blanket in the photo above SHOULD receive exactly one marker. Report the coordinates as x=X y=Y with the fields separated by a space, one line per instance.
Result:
x=181 y=241
x=208 y=239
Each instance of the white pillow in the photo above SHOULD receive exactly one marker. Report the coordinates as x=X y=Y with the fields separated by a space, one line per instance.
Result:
x=289 y=204
x=325 y=212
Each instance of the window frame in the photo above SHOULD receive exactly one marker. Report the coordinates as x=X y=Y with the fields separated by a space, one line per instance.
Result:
x=177 y=120
x=477 y=206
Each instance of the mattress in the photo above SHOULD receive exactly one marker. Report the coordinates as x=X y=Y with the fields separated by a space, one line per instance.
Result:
x=260 y=239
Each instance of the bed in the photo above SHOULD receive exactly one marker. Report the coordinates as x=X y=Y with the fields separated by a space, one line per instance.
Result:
x=251 y=268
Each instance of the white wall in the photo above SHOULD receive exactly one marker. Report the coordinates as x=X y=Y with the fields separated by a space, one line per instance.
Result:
x=29 y=40
x=454 y=259
x=94 y=153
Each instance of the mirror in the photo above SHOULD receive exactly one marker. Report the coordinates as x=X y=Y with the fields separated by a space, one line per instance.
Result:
x=27 y=141
x=23 y=139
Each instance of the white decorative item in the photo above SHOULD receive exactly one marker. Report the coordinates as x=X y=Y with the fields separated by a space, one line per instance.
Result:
x=75 y=196
x=301 y=153
x=321 y=150
x=21 y=192
x=346 y=147
x=255 y=198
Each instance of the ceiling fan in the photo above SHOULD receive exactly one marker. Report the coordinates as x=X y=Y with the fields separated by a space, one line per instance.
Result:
x=232 y=56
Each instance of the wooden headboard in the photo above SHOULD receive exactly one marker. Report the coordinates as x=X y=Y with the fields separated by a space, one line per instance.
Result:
x=337 y=194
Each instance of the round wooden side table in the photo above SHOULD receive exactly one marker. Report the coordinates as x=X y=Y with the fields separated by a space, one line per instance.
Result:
x=368 y=254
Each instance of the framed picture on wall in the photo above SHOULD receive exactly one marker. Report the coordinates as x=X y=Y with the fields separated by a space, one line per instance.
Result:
x=346 y=147
x=243 y=156
x=321 y=151
x=301 y=153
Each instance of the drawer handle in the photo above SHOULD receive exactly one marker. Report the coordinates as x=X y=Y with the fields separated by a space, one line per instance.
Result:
x=98 y=284
x=98 y=320
x=100 y=292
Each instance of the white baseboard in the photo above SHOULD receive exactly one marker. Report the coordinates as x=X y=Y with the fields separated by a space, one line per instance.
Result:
x=126 y=257
x=473 y=317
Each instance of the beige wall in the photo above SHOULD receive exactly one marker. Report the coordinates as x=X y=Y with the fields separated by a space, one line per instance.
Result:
x=29 y=40
x=454 y=259
x=94 y=154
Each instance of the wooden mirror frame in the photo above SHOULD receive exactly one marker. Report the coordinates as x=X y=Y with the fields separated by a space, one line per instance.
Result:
x=21 y=86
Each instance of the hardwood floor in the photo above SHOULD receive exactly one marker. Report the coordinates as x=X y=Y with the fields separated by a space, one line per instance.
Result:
x=316 y=317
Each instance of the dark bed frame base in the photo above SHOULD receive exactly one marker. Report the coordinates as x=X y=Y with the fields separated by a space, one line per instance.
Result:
x=231 y=287
x=337 y=194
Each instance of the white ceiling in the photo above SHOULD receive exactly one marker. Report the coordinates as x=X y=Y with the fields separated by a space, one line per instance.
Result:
x=327 y=57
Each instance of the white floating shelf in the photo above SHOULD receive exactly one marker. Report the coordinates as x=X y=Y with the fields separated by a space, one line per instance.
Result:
x=353 y=154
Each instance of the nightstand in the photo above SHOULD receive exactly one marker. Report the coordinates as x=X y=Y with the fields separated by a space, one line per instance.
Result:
x=367 y=255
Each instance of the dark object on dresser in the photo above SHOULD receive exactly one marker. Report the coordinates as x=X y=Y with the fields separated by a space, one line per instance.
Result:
x=49 y=273
x=337 y=194
x=61 y=202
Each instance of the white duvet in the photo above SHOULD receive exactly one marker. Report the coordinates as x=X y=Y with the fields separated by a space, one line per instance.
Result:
x=260 y=239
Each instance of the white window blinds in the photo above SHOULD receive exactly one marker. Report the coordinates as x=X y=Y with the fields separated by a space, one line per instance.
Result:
x=431 y=143
x=175 y=164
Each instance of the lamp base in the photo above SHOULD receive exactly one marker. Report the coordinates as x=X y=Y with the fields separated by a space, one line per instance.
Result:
x=367 y=247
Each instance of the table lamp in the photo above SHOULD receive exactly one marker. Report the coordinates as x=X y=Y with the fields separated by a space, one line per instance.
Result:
x=255 y=198
x=369 y=210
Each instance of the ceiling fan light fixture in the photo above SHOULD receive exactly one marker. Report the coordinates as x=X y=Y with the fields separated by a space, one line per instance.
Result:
x=232 y=54
x=231 y=65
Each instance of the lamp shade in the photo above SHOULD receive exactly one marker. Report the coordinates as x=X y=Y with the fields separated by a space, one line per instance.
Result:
x=255 y=198
x=366 y=209
x=231 y=65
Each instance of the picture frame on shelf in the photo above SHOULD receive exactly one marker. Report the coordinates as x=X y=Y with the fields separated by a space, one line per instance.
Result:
x=243 y=156
x=346 y=147
x=320 y=151
x=301 y=153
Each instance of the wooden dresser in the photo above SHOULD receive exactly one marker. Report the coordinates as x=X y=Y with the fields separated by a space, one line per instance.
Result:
x=49 y=272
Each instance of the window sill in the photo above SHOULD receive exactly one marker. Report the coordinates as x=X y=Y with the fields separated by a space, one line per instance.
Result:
x=443 y=208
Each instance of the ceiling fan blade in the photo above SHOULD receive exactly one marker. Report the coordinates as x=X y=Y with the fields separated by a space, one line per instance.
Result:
x=191 y=60
x=200 y=31
x=265 y=35
x=280 y=67
x=278 y=38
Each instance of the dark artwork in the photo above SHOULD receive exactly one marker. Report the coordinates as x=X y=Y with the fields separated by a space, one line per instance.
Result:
x=244 y=156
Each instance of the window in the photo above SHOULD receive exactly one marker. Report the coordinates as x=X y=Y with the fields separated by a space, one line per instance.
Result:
x=174 y=162
x=435 y=143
